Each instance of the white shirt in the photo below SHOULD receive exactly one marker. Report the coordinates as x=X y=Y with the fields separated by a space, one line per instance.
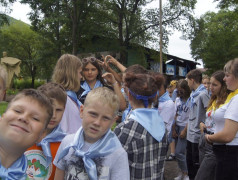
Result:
x=167 y=112
x=182 y=110
x=227 y=111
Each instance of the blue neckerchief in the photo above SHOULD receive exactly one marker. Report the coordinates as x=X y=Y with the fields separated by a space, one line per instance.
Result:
x=150 y=120
x=144 y=98
x=73 y=96
x=124 y=93
x=164 y=97
x=87 y=88
x=174 y=94
x=126 y=112
x=196 y=93
x=16 y=171
x=55 y=136
x=103 y=147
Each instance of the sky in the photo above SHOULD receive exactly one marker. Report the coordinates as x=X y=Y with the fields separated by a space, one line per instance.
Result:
x=177 y=46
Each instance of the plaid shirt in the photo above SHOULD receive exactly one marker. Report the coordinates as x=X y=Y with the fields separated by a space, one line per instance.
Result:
x=146 y=155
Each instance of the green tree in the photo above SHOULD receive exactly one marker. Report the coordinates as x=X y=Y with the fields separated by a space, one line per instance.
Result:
x=65 y=22
x=34 y=51
x=68 y=22
x=135 y=24
x=214 y=39
x=227 y=3
x=4 y=8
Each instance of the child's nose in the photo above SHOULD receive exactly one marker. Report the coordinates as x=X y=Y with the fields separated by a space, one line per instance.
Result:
x=23 y=118
x=97 y=122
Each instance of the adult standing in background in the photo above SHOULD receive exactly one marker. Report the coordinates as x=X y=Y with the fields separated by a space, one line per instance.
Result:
x=225 y=139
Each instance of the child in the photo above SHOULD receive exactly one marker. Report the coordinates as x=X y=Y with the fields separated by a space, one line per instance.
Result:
x=67 y=73
x=173 y=85
x=207 y=157
x=166 y=110
x=206 y=82
x=225 y=137
x=21 y=126
x=179 y=130
x=40 y=156
x=198 y=103
x=94 y=152
x=3 y=81
x=143 y=134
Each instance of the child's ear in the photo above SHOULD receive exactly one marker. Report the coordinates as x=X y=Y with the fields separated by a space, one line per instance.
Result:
x=81 y=111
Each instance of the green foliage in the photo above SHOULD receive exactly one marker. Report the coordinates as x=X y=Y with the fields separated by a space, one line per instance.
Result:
x=35 y=51
x=4 y=8
x=3 y=107
x=227 y=3
x=26 y=83
x=12 y=91
x=215 y=39
x=68 y=23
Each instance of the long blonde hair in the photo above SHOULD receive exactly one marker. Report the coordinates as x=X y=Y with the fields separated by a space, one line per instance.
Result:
x=66 y=72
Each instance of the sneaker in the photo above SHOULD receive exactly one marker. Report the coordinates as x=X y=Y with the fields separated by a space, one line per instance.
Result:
x=171 y=158
x=185 y=177
x=179 y=177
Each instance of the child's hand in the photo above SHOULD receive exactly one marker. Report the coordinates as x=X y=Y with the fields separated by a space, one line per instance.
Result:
x=174 y=134
x=183 y=134
x=109 y=78
x=202 y=127
x=111 y=60
x=103 y=63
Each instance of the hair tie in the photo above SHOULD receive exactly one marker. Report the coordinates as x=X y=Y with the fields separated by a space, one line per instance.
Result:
x=144 y=98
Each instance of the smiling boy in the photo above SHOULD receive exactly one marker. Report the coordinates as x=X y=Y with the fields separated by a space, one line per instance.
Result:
x=40 y=156
x=94 y=152
x=21 y=126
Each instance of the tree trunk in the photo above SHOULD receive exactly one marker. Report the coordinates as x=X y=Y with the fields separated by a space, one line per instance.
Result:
x=75 y=27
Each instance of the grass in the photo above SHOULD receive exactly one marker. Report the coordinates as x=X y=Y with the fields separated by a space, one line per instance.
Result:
x=3 y=107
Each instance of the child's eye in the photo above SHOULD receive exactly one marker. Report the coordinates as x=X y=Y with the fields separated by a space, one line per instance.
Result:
x=17 y=111
x=59 y=110
x=35 y=118
x=106 y=119
x=93 y=114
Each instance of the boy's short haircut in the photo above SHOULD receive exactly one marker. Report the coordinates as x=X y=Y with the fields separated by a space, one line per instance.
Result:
x=38 y=96
x=205 y=76
x=105 y=96
x=196 y=75
x=54 y=91
x=3 y=76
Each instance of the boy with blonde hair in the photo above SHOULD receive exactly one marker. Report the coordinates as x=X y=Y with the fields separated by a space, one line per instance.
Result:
x=24 y=121
x=94 y=151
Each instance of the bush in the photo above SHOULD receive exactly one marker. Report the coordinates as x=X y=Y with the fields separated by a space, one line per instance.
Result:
x=12 y=91
x=26 y=83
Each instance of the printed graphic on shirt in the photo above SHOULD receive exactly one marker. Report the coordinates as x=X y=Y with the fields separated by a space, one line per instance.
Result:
x=36 y=169
x=182 y=108
x=210 y=123
x=76 y=170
